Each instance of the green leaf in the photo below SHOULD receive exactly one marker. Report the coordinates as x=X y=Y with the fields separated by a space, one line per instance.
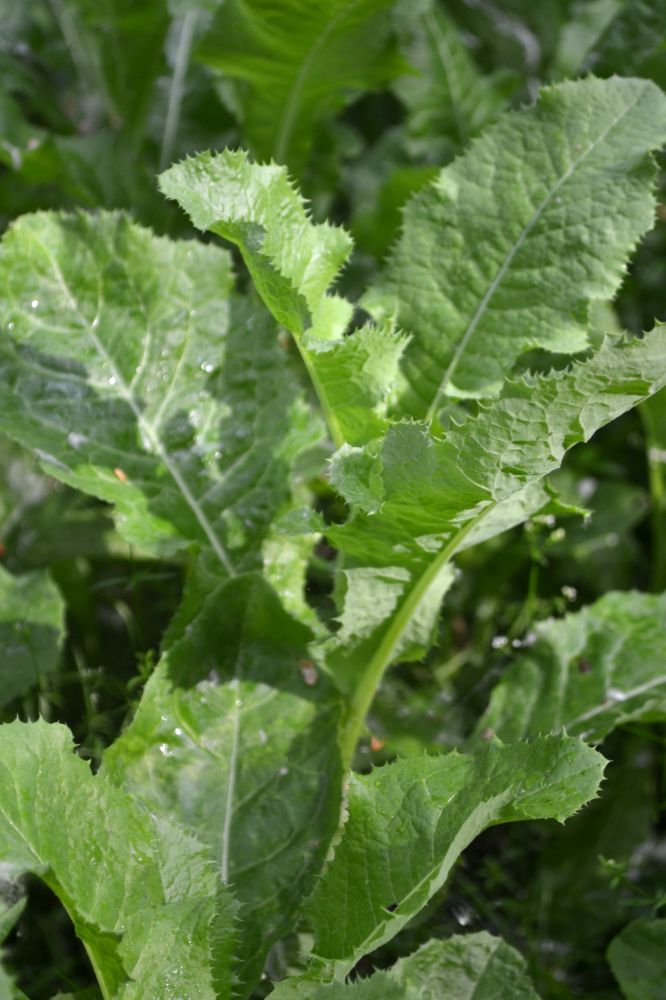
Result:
x=637 y=957
x=580 y=33
x=633 y=42
x=12 y=904
x=586 y=673
x=237 y=741
x=471 y=965
x=409 y=821
x=297 y=66
x=614 y=828
x=447 y=96
x=32 y=625
x=356 y=375
x=142 y=895
x=116 y=52
x=507 y=248
x=377 y=987
x=134 y=377
x=293 y=263
x=416 y=500
x=8 y=991
x=474 y=965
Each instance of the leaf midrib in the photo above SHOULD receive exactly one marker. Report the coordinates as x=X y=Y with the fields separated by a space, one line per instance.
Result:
x=383 y=656
x=147 y=428
x=288 y=117
x=511 y=254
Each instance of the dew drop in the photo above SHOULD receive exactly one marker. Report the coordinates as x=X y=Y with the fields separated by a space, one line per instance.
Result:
x=10 y=326
x=463 y=914
x=282 y=771
x=34 y=303
x=207 y=366
x=499 y=642
x=112 y=380
x=76 y=440
x=178 y=731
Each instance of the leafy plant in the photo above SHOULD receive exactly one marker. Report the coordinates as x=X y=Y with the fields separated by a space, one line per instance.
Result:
x=231 y=841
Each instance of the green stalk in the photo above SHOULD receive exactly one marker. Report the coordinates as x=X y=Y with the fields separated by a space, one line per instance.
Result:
x=335 y=431
x=106 y=987
x=655 y=455
x=177 y=86
x=365 y=692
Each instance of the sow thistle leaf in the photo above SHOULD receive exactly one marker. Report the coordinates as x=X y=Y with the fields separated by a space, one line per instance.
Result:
x=234 y=740
x=297 y=65
x=418 y=500
x=293 y=263
x=377 y=987
x=134 y=376
x=409 y=821
x=637 y=957
x=506 y=249
x=473 y=965
x=587 y=673
x=32 y=622
x=143 y=896
x=356 y=375
x=448 y=98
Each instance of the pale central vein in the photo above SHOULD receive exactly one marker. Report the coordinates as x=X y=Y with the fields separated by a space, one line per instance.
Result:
x=147 y=429
x=231 y=791
x=513 y=250
x=626 y=696
x=291 y=104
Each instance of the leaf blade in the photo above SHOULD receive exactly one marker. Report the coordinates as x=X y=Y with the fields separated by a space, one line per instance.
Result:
x=32 y=626
x=587 y=673
x=141 y=896
x=298 y=67
x=491 y=264
x=417 y=500
x=236 y=742
x=636 y=957
x=131 y=370
x=409 y=821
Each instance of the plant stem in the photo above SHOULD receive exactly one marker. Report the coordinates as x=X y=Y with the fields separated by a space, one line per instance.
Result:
x=177 y=88
x=655 y=463
x=334 y=428
x=367 y=688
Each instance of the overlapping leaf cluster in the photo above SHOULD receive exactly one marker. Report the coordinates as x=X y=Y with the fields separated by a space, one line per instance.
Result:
x=225 y=817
